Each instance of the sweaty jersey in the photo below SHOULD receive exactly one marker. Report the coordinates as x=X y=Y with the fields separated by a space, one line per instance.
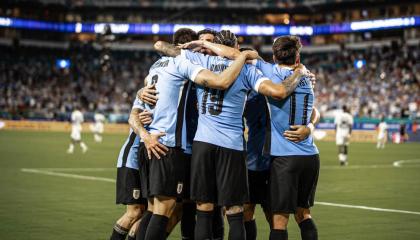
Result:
x=256 y=119
x=294 y=110
x=171 y=76
x=128 y=156
x=343 y=122
x=220 y=111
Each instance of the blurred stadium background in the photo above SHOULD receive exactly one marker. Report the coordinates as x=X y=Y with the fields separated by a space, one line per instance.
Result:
x=58 y=54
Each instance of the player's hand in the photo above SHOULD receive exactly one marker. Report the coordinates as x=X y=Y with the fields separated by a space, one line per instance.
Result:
x=145 y=117
x=194 y=45
x=153 y=146
x=312 y=78
x=297 y=133
x=148 y=94
x=251 y=54
x=301 y=69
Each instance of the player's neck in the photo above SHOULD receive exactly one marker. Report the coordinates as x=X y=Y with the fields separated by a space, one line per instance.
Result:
x=291 y=67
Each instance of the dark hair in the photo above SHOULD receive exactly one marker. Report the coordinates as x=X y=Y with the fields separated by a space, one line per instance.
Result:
x=345 y=109
x=226 y=38
x=184 y=35
x=286 y=49
x=207 y=31
x=246 y=49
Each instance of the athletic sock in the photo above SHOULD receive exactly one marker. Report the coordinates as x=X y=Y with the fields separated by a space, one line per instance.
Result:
x=118 y=233
x=157 y=227
x=218 y=223
x=203 y=226
x=276 y=234
x=308 y=230
x=236 y=226
x=188 y=220
x=251 y=230
x=142 y=228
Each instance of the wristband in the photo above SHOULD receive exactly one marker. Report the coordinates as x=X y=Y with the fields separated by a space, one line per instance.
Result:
x=311 y=126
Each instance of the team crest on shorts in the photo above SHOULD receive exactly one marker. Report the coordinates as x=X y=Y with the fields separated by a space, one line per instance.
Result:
x=136 y=193
x=179 y=187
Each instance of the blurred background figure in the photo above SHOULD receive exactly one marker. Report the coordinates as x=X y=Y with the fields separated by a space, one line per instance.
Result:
x=76 y=131
x=98 y=127
x=382 y=134
x=343 y=127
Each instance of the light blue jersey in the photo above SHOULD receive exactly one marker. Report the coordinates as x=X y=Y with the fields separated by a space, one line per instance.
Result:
x=220 y=111
x=190 y=119
x=128 y=156
x=294 y=110
x=172 y=78
x=256 y=119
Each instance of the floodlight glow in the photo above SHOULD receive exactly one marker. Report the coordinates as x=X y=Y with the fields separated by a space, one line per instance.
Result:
x=6 y=22
x=382 y=23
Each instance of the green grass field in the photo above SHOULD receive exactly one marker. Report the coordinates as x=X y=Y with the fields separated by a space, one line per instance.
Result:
x=39 y=206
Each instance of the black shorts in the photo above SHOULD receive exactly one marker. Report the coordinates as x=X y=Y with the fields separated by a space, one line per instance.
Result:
x=218 y=175
x=187 y=178
x=293 y=181
x=128 y=187
x=258 y=187
x=164 y=176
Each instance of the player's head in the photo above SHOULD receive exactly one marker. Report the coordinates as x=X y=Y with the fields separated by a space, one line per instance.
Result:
x=286 y=50
x=184 y=35
x=345 y=109
x=207 y=35
x=226 y=38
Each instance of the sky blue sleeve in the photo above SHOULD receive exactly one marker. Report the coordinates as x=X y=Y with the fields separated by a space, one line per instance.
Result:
x=265 y=67
x=254 y=77
x=195 y=57
x=186 y=68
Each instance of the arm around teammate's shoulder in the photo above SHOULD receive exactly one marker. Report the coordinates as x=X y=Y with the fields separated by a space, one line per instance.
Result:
x=285 y=88
x=225 y=79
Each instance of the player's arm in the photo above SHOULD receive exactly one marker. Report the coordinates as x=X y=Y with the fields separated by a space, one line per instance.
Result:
x=298 y=133
x=285 y=88
x=151 y=141
x=167 y=49
x=218 y=49
x=148 y=94
x=223 y=81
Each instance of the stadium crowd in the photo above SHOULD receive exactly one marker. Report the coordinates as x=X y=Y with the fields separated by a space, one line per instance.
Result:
x=33 y=86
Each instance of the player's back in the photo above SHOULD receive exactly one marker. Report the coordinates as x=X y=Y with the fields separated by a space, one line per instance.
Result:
x=257 y=121
x=171 y=78
x=344 y=122
x=77 y=117
x=294 y=110
x=220 y=111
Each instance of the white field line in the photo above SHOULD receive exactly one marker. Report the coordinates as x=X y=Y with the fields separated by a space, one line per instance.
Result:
x=76 y=169
x=367 y=208
x=399 y=163
x=76 y=176
x=68 y=175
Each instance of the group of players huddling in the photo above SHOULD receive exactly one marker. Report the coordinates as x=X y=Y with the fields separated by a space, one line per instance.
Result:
x=186 y=158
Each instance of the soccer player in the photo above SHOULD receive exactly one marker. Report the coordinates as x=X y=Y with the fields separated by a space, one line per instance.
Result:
x=343 y=126
x=295 y=165
x=76 y=131
x=191 y=118
x=165 y=164
x=128 y=177
x=218 y=163
x=382 y=134
x=98 y=127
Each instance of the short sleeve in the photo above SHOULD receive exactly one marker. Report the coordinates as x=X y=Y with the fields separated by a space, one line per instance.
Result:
x=138 y=104
x=195 y=57
x=265 y=67
x=186 y=68
x=254 y=77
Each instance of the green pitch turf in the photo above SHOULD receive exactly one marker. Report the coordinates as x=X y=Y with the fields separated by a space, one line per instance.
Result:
x=39 y=206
